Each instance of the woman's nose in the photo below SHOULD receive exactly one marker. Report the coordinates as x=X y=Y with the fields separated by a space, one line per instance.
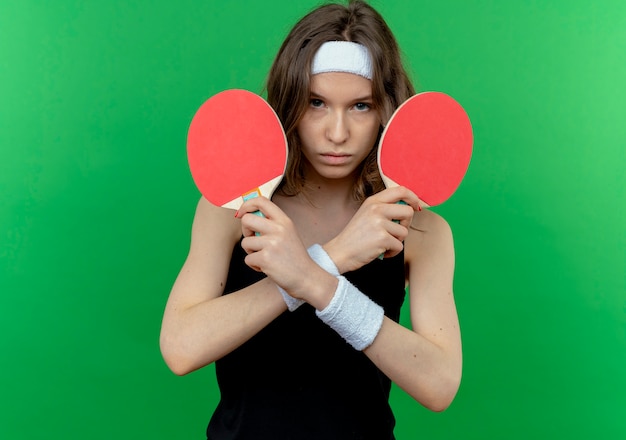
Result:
x=337 y=130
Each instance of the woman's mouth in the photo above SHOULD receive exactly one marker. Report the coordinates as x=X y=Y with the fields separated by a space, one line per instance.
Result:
x=335 y=158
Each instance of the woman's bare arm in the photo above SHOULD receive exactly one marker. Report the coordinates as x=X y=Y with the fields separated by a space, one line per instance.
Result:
x=199 y=324
x=426 y=361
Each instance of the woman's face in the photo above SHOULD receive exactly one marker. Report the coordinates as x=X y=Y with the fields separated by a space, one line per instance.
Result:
x=339 y=127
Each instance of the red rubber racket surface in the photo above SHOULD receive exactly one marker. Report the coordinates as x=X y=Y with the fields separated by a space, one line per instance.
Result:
x=426 y=147
x=236 y=144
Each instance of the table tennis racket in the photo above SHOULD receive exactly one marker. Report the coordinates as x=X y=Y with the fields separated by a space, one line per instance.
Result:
x=426 y=147
x=236 y=148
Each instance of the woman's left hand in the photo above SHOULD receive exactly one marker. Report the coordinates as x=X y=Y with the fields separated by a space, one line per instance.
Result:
x=379 y=227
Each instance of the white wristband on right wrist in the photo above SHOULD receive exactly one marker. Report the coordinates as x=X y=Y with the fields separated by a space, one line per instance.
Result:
x=323 y=260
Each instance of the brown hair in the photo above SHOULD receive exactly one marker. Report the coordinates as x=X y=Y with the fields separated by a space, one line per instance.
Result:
x=288 y=83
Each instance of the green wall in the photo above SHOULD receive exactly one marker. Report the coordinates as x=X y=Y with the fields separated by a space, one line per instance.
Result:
x=96 y=202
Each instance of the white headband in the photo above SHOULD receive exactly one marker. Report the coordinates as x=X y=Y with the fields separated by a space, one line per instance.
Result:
x=343 y=56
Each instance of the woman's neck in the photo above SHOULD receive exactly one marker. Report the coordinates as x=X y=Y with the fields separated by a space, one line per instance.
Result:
x=322 y=209
x=332 y=194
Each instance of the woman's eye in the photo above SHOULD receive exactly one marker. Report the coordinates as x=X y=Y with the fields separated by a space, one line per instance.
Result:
x=317 y=103
x=361 y=106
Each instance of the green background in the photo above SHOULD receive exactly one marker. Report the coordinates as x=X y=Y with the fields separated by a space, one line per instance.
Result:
x=96 y=202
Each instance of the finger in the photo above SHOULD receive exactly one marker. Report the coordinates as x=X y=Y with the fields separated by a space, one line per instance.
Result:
x=400 y=193
x=252 y=243
x=400 y=212
x=394 y=247
x=250 y=262
x=253 y=224
x=259 y=204
x=397 y=230
x=253 y=211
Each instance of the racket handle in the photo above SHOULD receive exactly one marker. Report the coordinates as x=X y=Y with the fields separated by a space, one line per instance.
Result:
x=251 y=195
x=400 y=202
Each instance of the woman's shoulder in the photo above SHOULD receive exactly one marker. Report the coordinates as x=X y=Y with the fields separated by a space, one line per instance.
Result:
x=213 y=224
x=428 y=231
x=429 y=221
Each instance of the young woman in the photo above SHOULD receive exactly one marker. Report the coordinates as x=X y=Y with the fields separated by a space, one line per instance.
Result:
x=295 y=308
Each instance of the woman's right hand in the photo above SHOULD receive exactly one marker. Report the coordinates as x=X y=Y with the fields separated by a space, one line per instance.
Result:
x=379 y=227
x=275 y=248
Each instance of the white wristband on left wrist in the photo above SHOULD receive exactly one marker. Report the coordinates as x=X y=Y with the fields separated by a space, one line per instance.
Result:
x=323 y=260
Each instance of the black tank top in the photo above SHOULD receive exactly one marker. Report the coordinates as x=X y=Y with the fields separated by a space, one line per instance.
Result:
x=297 y=379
